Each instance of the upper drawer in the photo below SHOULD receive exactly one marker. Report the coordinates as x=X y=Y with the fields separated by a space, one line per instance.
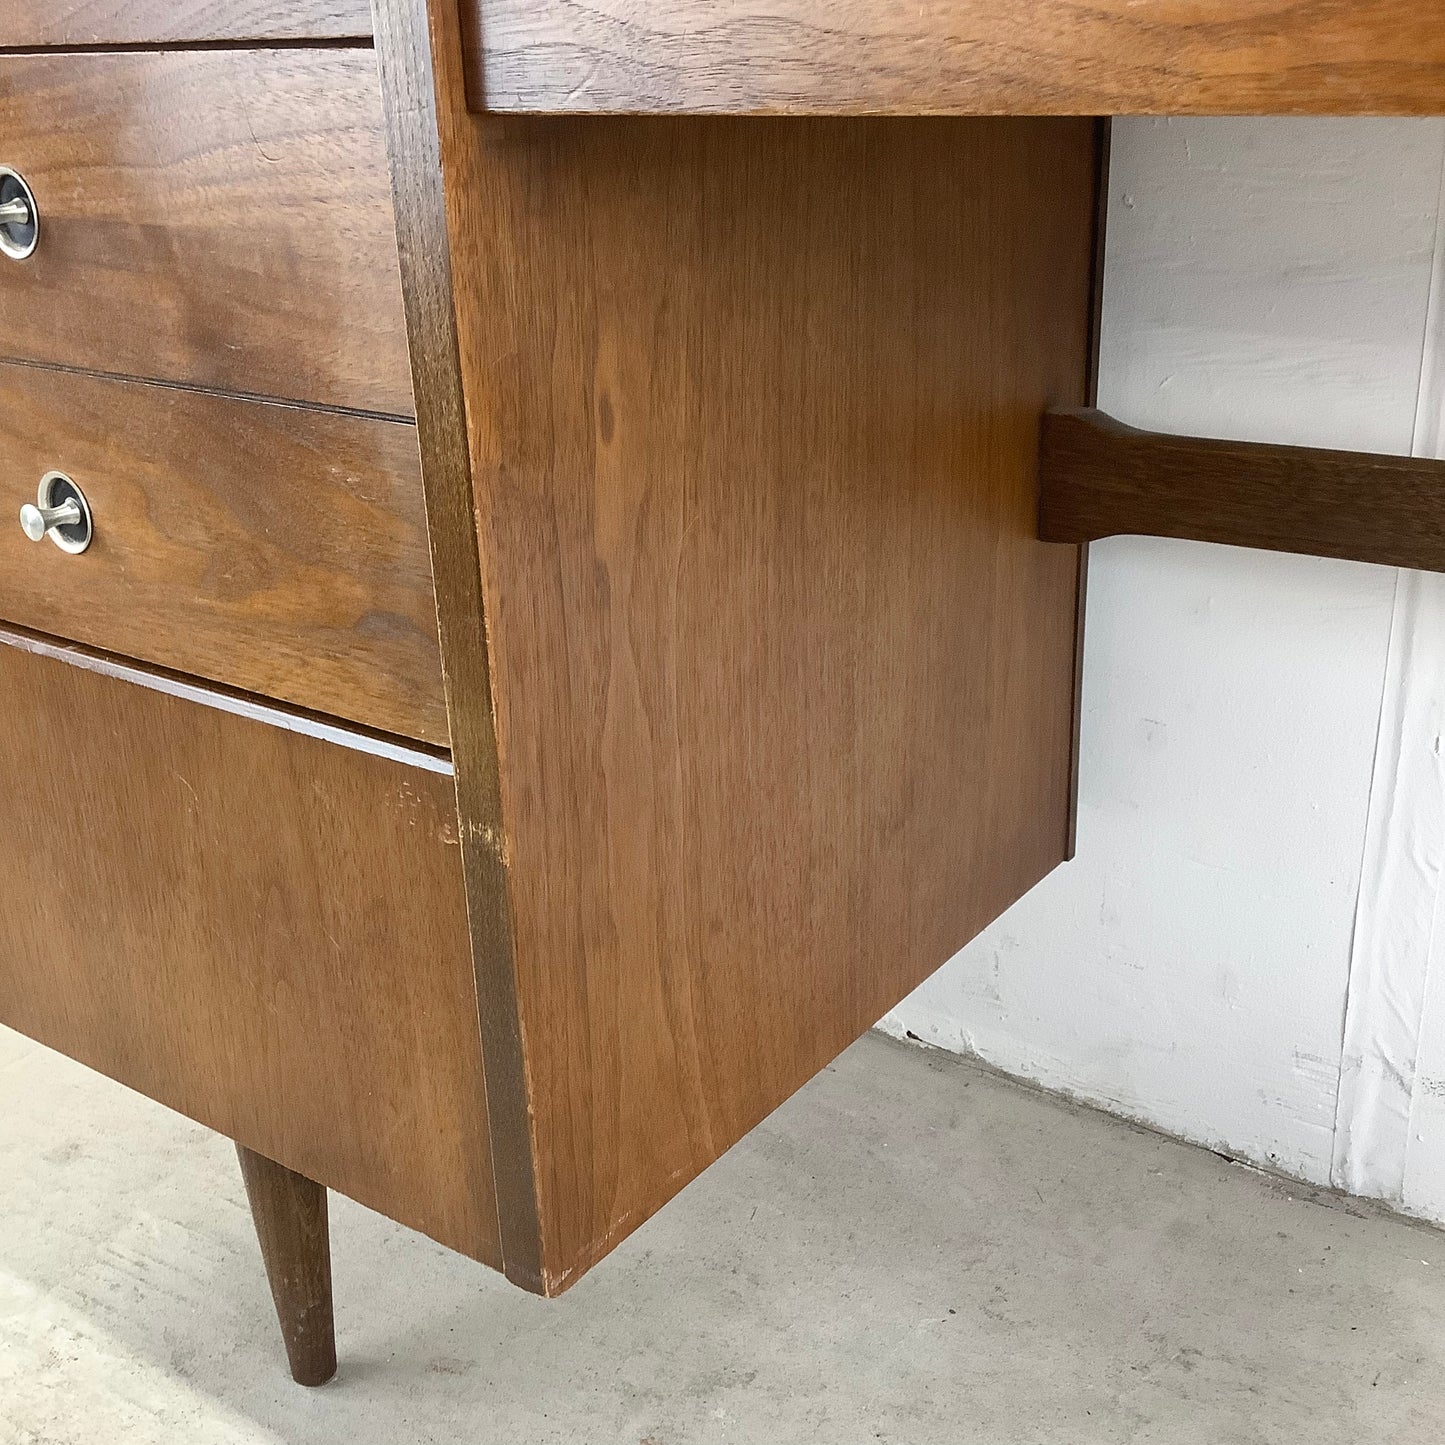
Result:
x=126 y=22
x=221 y=218
x=277 y=549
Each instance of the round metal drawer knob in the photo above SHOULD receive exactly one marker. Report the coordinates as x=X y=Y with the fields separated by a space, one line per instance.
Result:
x=59 y=512
x=19 y=216
x=37 y=521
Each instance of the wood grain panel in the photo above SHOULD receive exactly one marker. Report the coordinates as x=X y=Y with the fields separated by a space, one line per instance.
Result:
x=1100 y=478
x=216 y=218
x=783 y=680
x=961 y=57
x=25 y=23
x=261 y=929
x=274 y=549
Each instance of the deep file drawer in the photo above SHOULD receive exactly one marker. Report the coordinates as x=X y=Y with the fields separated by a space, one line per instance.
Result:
x=219 y=218
x=275 y=549
x=260 y=926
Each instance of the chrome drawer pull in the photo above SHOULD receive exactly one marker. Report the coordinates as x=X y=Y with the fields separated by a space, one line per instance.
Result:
x=19 y=216
x=37 y=521
x=59 y=512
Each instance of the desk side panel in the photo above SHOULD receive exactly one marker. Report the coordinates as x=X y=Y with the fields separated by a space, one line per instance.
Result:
x=783 y=681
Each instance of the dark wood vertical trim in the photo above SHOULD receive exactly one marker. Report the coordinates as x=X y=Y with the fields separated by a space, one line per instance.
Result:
x=1103 y=154
x=414 y=95
x=289 y=1212
x=1081 y=608
x=1103 y=141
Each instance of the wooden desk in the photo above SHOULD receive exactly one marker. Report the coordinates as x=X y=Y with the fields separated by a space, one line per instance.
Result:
x=752 y=693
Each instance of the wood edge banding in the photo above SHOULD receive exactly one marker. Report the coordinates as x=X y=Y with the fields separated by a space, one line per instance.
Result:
x=414 y=96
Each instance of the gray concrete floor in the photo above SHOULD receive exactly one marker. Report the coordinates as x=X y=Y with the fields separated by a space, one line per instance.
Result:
x=911 y=1250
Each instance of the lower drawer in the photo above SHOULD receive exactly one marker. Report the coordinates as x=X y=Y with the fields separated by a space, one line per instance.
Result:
x=261 y=927
x=270 y=548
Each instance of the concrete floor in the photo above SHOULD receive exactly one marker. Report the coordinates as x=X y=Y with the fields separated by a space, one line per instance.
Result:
x=912 y=1250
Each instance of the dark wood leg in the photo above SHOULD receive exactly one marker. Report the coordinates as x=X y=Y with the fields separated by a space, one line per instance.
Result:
x=290 y=1215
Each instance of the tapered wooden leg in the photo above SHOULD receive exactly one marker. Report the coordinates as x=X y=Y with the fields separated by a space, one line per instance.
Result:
x=290 y=1215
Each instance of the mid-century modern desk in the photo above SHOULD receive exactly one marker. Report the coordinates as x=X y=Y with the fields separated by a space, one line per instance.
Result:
x=527 y=630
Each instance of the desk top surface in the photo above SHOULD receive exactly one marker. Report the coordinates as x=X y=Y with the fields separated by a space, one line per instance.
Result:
x=957 y=57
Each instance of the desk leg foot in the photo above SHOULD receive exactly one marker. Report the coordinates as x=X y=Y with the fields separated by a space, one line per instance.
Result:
x=290 y=1215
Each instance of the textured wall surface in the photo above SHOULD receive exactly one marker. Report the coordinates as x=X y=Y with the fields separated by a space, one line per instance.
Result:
x=1245 y=951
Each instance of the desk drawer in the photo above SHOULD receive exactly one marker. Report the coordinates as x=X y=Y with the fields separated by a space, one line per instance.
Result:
x=273 y=548
x=27 y=23
x=219 y=218
x=261 y=927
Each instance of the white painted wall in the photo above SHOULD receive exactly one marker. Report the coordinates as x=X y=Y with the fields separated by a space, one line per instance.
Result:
x=1248 y=950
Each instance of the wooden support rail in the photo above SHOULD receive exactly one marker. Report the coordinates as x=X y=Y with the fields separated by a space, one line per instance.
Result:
x=1100 y=478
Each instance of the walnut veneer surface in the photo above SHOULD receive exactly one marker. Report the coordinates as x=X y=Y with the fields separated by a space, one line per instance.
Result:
x=27 y=23
x=750 y=693
x=273 y=548
x=782 y=681
x=262 y=928
x=959 y=57
x=215 y=217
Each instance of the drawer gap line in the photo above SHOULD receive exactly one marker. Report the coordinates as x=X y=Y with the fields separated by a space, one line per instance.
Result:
x=230 y=700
